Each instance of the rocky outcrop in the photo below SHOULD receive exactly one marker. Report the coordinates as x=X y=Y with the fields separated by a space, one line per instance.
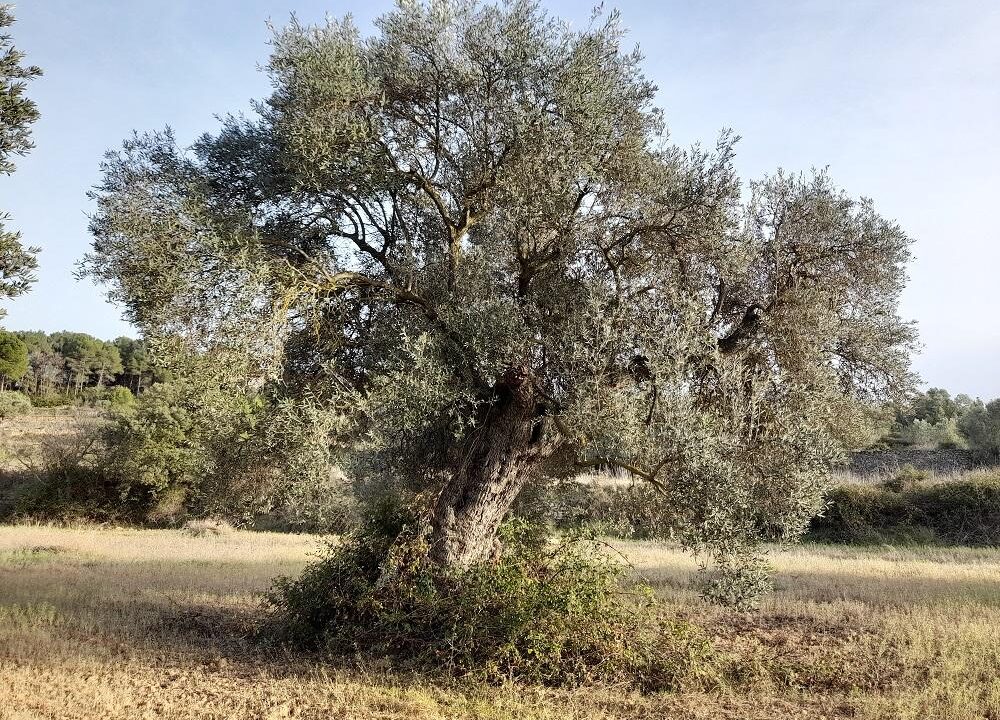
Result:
x=942 y=462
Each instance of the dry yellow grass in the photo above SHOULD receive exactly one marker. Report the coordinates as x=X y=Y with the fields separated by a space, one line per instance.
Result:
x=23 y=439
x=111 y=623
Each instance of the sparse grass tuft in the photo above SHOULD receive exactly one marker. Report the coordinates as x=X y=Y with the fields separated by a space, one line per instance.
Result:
x=207 y=527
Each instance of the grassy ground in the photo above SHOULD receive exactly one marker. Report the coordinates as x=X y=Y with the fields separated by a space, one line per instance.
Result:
x=106 y=623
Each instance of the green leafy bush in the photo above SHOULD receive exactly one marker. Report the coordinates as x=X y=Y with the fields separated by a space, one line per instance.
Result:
x=150 y=450
x=121 y=398
x=51 y=400
x=943 y=434
x=982 y=426
x=185 y=450
x=13 y=403
x=551 y=614
x=958 y=512
x=67 y=483
x=73 y=490
x=907 y=478
x=138 y=467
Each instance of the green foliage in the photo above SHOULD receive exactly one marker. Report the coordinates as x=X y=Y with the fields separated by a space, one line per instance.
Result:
x=51 y=400
x=184 y=449
x=13 y=404
x=934 y=406
x=69 y=486
x=907 y=478
x=909 y=509
x=981 y=424
x=17 y=113
x=125 y=471
x=737 y=581
x=479 y=209
x=121 y=398
x=13 y=356
x=551 y=614
x=934 y=420
x=144 y=465
x=163 y=447
x=635 y=510
x=66 y=483
x=87 y=358
x=65 y=360
x=922 y=434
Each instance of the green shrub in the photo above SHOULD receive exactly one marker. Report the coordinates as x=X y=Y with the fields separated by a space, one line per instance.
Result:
x=906 y=478
x=549 y=614
x=52 y=400
x=13 y=403
x=982 y=426
x=121 y=398
x=959 y=512
x=134 y=469
x=150 y=450
x=93 y=397
x=67 y=483
x=944 y=434
x=73 y=491
x=183 y=450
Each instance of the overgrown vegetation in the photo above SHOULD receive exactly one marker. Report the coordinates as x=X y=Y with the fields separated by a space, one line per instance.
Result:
x=12 y=404
x=552 y=614
x=182 y=450
x=911 y=507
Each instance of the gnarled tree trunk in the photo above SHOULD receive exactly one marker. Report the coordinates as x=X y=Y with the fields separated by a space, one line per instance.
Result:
x=497 y=462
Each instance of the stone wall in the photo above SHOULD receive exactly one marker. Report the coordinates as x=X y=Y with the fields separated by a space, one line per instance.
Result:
x=873 y=462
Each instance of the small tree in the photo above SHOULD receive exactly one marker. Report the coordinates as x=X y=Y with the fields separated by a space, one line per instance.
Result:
x=107 y=362
x=470 y=235
x=135 y=362
x=83 y=357
x=981 y=425
x=17 y=113
x=13 y=358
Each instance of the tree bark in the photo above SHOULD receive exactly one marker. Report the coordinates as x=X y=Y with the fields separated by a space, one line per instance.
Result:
x=496 y=462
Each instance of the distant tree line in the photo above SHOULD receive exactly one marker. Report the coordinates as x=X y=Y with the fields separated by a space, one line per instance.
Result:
x=935 y=419
x=41 y=363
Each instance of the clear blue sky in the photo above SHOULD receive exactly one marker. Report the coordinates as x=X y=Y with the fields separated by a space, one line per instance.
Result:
x=901 y=99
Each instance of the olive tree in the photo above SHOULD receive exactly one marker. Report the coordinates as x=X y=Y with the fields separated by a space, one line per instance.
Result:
x=17 y=113
x=470 y=234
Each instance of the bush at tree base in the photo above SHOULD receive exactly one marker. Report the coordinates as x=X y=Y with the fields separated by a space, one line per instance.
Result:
x=553 y=614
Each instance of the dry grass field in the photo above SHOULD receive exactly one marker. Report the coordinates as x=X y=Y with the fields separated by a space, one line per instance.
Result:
x=112 y=623
x=23 y=440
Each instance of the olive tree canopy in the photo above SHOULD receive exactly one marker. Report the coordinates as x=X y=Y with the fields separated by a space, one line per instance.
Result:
x=470 y=234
